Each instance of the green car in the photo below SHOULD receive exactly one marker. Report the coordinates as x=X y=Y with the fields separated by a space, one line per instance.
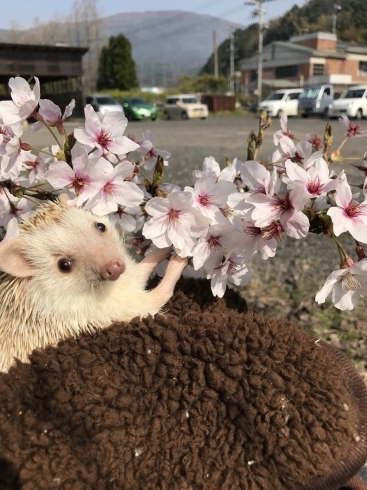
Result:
x=136 y=108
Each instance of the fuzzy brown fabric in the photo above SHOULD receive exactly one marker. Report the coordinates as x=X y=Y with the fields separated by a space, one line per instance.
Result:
x=207 y=396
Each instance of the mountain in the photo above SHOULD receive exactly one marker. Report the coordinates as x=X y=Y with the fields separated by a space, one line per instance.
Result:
x=166 y=44
x=315 y=15
x=169 y=43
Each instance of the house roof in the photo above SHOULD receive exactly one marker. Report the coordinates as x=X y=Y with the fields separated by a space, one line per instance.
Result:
x=43 y=47
x=341 y=52
x=318 y=53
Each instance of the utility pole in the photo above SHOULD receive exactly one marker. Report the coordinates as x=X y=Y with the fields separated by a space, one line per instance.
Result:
x=259 y=12
x=337 y=8
x=231 y=60
x=215 y=54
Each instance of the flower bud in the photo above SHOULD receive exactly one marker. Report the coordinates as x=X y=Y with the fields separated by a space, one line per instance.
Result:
x=335 y=156
x=328 y=137
x=138 y=240
x=25 y=146
x=360 y=252
x=346 y=263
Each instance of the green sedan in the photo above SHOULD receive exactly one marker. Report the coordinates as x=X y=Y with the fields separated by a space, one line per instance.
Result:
x=137 y=109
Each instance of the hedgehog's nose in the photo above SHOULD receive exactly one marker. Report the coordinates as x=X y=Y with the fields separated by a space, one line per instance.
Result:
x=114 y=269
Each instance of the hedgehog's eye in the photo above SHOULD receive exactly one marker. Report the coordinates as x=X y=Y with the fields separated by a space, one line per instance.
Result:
x=65 y=265
x=100 y=227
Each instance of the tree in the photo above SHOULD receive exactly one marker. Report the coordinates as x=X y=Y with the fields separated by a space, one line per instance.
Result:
x=116 y=67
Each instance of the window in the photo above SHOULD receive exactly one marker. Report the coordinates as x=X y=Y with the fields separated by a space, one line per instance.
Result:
x=318 y=69
x=294 y=95
x=189 y=100
x=106 y=101
x=290 y=71
x=362 y=69
x=276 y=96
x=253 y=75
x=353 y=94
x=172 y=101
x=326 y=92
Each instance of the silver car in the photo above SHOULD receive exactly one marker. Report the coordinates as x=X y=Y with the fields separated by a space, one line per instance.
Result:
x=103 y=103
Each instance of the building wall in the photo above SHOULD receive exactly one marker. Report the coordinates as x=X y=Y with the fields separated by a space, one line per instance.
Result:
x=317 y=43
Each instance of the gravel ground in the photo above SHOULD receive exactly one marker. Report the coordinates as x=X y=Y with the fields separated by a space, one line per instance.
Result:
x=284 y=286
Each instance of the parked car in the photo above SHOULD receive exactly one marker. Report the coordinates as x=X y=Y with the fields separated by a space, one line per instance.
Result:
x=136 y=108
x=103 y=103
x=285 y=100
x=315 y=100
x=352 y=102
x=184 y=107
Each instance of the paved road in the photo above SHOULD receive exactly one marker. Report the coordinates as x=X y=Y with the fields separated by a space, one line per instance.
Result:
x=191 y=141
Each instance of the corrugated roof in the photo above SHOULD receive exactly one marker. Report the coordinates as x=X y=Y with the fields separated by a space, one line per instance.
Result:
x=43 y=47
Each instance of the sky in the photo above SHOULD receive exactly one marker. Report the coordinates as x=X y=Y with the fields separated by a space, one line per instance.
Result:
x=23 y=12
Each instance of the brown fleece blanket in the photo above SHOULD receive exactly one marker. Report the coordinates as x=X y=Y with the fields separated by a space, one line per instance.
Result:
x=207 y=396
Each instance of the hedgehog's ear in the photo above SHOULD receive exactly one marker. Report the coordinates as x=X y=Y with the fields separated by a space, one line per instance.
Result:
x=12 y=259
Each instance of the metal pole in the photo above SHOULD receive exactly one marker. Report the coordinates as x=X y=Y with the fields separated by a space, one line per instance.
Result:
x=215 y=51
x=334 y=19
x=231 y=62
x=260 y=52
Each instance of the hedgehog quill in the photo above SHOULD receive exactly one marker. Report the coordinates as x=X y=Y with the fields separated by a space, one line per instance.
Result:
x=68 y=272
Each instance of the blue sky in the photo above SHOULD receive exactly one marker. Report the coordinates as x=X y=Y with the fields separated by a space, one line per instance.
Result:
x=24 y=11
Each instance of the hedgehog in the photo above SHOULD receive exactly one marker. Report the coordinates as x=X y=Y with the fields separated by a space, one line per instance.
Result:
x=69 y=272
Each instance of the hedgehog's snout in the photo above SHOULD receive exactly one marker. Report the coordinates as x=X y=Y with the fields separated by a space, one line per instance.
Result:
x=113 y=269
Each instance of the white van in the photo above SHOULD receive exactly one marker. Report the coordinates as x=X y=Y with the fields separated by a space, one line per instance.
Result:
x=285 y=100
x=352 y=102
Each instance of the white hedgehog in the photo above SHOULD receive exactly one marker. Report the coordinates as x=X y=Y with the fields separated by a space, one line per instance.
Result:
x=68 y=272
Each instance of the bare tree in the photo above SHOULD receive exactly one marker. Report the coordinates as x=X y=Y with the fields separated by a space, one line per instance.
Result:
x=87 y=22
x=82 y=27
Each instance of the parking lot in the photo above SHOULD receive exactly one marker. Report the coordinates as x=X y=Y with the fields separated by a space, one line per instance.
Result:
x=220 y=136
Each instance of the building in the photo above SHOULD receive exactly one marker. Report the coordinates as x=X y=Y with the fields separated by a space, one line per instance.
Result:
x=309 y=58
x=59 y=69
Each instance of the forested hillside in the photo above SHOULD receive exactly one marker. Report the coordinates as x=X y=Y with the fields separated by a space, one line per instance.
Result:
x=315 y=15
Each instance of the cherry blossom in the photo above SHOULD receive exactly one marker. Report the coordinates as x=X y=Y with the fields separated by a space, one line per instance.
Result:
x=12 y=160
x=315 y=180
x=104 y=133
x=37 y=165
x=230 y=267
x=348 y=214
x=209 y=195
x=287 y=209
x=284 y=131
x=345 y=286
x=150 y=152
x=300 y=153
x=351 y=129
x=83 y=180
x=257 y=178
x=315 y=141
x=51 y=114
x=219 y=240
x=114 y=190
x=174 y=222
x=126 y=217
x=12 y=230
x=262 y=239
x=211 y=165
x=15 y=208
x=25 y=101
